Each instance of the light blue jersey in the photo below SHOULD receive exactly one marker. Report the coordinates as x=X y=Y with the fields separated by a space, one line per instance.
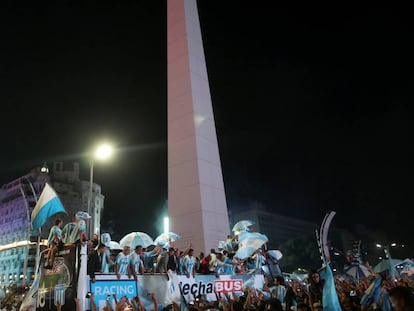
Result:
x=149 y=260
x=55 y=235
x=80 y=227
x=122 y=261
x=189 y=263
x=105 y=260
x=228 y=267
x=259 y=260
x=136 y=262
x=67 y=232
x=278 y=292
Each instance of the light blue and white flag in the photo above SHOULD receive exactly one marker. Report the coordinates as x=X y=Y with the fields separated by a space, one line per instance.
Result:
x=47 y=205
x=330 y=299
x=372 y=293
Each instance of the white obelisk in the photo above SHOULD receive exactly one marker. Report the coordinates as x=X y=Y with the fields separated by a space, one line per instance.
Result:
x=196 y=199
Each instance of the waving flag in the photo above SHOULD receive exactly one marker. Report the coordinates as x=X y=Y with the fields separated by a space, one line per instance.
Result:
x=47 y=205
x=373 y=293
x=330 y=298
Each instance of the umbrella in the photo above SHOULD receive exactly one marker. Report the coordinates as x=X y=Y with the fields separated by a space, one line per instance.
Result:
x=275 y=254
x=114 y=246
x=166 y=238
x=357 y=271
x=242 y=226
x=385 y=265
x=134 y=239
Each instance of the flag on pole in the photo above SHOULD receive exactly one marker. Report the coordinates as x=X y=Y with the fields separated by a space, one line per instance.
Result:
x=47 y=205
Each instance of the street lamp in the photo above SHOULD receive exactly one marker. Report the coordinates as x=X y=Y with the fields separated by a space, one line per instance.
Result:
x=101 y=152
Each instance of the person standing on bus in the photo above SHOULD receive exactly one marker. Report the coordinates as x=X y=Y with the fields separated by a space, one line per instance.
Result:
x=122 y=266
x=54 y=240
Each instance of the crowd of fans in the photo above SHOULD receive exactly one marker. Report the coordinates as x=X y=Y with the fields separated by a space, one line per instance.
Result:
x=282 y=296
x=161 y=259
x=379 y=291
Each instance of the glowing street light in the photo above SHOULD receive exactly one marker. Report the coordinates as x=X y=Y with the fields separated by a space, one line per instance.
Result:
x=166 y=224
x=102 y=152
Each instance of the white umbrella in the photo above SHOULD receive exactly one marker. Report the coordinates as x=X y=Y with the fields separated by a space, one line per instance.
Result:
x=166 y=238
x=114 y=245
x=134 y=239
x=242 y=226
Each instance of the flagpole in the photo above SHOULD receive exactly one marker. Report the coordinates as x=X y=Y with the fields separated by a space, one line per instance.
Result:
x=38 y=253
x=37 y=263
x=29 y=227
x=91 y=210
x=39 y=232
x=28 y=235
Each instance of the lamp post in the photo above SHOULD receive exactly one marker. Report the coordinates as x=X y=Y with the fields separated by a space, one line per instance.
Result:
x=102 y=152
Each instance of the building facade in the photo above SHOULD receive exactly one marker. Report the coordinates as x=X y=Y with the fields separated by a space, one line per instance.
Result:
x=276 y=227
x=18 y=242
x=74 y=194
x=17 y=239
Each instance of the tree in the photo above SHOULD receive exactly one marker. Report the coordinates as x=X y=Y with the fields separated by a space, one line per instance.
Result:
x=300 y=252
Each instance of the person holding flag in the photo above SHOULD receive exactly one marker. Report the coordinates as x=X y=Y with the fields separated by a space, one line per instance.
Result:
x=53 y=242
x=47 y=205
x=79 y=232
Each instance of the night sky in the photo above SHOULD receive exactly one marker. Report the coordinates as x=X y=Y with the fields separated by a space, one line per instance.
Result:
x=311 y=108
